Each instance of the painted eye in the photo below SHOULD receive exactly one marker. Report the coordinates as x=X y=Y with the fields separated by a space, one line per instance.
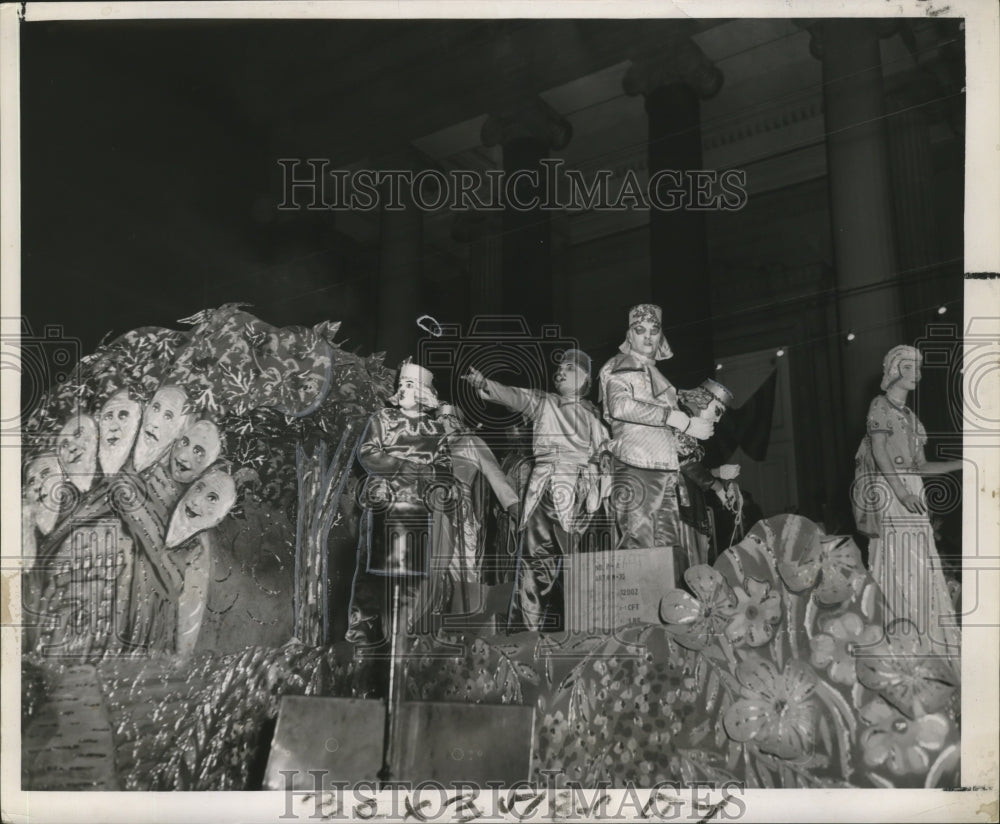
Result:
x=199 y=452
x=123 y=415
x=156 y=407
x=213 y=497
x=168 y=415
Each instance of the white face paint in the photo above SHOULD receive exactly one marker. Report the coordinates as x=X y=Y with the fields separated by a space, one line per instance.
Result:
x=644 y=337
x=77 y=450
x=204 y=505
x=196 y=449
x=118 y=423
x=569 y=379
x=162 y=422
x=41 y=491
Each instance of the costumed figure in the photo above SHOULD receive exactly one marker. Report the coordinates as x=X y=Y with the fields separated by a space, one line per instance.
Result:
x=889 y=507
x=642 y=408
x=709 y=401
x=516 y=467
x=565 y=487
x=471 y=463
x=403 y=532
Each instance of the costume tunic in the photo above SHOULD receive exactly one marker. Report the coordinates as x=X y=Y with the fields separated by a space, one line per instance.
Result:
x=638 y=399
x=563 y=488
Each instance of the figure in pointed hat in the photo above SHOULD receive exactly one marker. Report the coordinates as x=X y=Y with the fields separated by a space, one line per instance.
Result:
x=641 y=406
x=400 y=451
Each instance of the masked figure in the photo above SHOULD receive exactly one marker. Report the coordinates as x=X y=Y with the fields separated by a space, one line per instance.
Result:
x=889 y=507
x=204 y=505
x=118 y=423
x=197 y=447
x=162 y=421
x=641 y=406
x=77 y=450
x=42 y=494
x=401 y=529
x=472 y=463
x=699 y=541
x=564 y=489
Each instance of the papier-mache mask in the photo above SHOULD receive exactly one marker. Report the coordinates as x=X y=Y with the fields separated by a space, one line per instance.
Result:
x=162 y=421
x=42 y=490
x=76 y=448
x=117 y=423
x=204 y=505
x=197 y=448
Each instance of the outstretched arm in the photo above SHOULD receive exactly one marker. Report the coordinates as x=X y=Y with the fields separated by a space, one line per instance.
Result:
x=520 y=400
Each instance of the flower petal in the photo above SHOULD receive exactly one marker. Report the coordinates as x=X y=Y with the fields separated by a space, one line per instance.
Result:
x=799 y=576
x=823 y=647
x=791 y=734
x=677 y=607
x=746 y=718
x=758 y=633
x=799 y=681
x=704 y=581
x=758 y=676
x=931 y=731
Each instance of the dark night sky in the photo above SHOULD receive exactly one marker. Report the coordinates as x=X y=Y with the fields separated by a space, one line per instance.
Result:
x=149 y=182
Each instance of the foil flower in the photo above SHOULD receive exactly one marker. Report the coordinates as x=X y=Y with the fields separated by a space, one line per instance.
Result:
x=900 y=670
x=775 y=712
x=696 y=621
x=831 y=564
x=757 y=611
x=836 y=648
x=899 y=743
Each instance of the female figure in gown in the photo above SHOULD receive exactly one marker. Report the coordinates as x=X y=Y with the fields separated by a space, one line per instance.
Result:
x=889 y=507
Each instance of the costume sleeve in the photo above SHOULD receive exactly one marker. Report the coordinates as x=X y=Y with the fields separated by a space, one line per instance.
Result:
x=878 y=417
x=621 y=405
x=494 y=475
x=513 y=397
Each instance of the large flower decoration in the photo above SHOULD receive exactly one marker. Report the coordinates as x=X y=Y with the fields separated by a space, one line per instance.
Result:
x=832 y=561
x=900 y=743
x=835 y=649
x=695 y=622
x=775 y=712
x=757 y=611
x=900 y=669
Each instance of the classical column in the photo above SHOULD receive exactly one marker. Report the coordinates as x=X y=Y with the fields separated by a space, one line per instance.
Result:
x=527 y=134
x=481 y=231
x=673 y=83
x=398 y=291
x=918 y=246
x=868 y=291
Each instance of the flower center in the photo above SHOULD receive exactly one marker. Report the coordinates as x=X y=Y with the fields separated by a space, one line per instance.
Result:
x=899 y=726
x=780 y=706
x=752 y=612
x=849 y=647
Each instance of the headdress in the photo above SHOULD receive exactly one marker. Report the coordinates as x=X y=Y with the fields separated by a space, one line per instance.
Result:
x=892 y=361
x=648 y=313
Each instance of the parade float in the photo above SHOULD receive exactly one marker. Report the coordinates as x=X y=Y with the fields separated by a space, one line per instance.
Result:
x=160 y=638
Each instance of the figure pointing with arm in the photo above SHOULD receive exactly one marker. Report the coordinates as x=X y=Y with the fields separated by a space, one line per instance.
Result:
x=567 y=442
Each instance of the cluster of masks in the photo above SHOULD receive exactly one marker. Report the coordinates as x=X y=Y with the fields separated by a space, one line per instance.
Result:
x=125 y=437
